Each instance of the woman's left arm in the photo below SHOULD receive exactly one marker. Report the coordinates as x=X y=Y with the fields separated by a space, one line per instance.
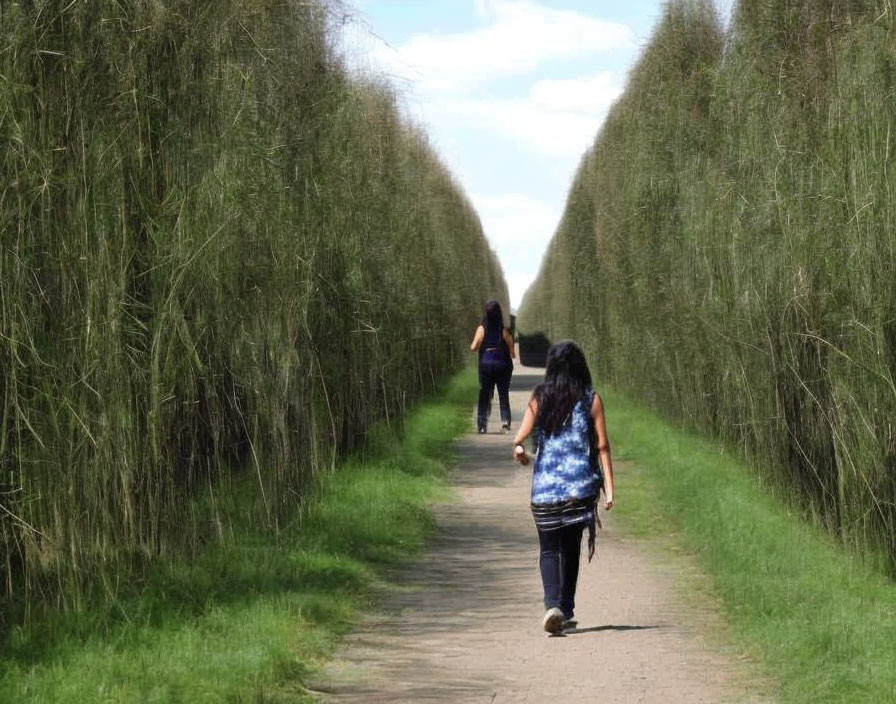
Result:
x=603 y=448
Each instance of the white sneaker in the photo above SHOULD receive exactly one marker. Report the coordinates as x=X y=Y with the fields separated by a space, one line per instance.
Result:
x=553 y=621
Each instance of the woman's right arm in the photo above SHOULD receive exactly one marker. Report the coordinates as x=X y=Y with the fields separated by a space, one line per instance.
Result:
x=525 y=430
x=509 y=341
x=478 y=337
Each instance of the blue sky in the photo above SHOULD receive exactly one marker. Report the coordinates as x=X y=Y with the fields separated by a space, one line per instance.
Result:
x=511 y=94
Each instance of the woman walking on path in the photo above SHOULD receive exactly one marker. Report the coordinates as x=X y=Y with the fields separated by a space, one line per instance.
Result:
x=496 y=353
x=572 y=465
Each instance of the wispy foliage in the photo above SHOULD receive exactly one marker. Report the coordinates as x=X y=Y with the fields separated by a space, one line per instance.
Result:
x=220 y=255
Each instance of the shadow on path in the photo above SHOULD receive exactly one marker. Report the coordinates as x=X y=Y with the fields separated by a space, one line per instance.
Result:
x=525 y=381
x=599 y=629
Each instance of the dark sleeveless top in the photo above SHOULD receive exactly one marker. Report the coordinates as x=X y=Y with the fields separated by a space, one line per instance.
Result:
x=494 y=348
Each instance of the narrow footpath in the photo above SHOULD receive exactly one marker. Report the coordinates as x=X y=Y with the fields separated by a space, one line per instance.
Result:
x=465 y=623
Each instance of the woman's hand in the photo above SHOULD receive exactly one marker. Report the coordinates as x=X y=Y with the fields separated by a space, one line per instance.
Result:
x=609 y=503
x=519 y=454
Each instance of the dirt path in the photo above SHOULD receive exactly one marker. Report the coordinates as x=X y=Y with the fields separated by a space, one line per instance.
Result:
x=465 y=626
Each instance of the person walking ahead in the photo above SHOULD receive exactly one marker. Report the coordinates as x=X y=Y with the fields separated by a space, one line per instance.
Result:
x=496 y=353
x=572 y=465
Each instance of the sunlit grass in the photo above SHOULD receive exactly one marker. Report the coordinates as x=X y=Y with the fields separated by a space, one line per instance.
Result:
x=821 y=622
x=251 y=621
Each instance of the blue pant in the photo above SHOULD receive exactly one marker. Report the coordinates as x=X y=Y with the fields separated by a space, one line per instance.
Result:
x=492 y=374
x=559 y=563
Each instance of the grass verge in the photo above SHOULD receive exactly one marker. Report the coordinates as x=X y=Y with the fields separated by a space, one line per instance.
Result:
x=821 y=621
x=250 y=621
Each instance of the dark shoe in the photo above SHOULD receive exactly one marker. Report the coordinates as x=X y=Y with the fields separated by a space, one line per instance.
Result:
x=481 y=430
x=505 y=426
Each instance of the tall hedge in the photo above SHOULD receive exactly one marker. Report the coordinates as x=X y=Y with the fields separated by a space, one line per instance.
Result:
x=728 y=247
x=223 y=257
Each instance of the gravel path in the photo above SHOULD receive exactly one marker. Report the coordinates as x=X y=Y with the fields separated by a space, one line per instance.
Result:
x=465 y=623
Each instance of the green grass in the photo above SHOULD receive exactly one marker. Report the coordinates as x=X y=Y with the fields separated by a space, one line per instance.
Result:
x=249 y=623
x=821 y=621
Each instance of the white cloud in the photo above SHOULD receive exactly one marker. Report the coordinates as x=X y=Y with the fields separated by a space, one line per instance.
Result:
x=450 y=74
x=589 y=94
x=529 y=78
x=519 y=228
x=546 y=132
x=557 y=119
x=517 y=38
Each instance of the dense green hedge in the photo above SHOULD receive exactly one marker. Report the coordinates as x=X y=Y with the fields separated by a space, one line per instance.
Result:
x=728 y=247
x=222 y=256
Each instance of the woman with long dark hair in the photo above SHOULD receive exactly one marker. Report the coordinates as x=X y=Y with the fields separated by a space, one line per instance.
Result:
x=572 y=465
x=496 y=350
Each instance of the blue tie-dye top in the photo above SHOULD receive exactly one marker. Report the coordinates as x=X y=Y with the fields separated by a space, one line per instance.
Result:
x=563 y=467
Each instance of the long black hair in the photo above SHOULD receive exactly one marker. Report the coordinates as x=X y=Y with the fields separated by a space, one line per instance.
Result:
x=493 y=317
x=566 y=380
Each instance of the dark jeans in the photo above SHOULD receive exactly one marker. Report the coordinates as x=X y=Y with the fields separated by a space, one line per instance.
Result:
x=559 y=563
x=492 y=374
